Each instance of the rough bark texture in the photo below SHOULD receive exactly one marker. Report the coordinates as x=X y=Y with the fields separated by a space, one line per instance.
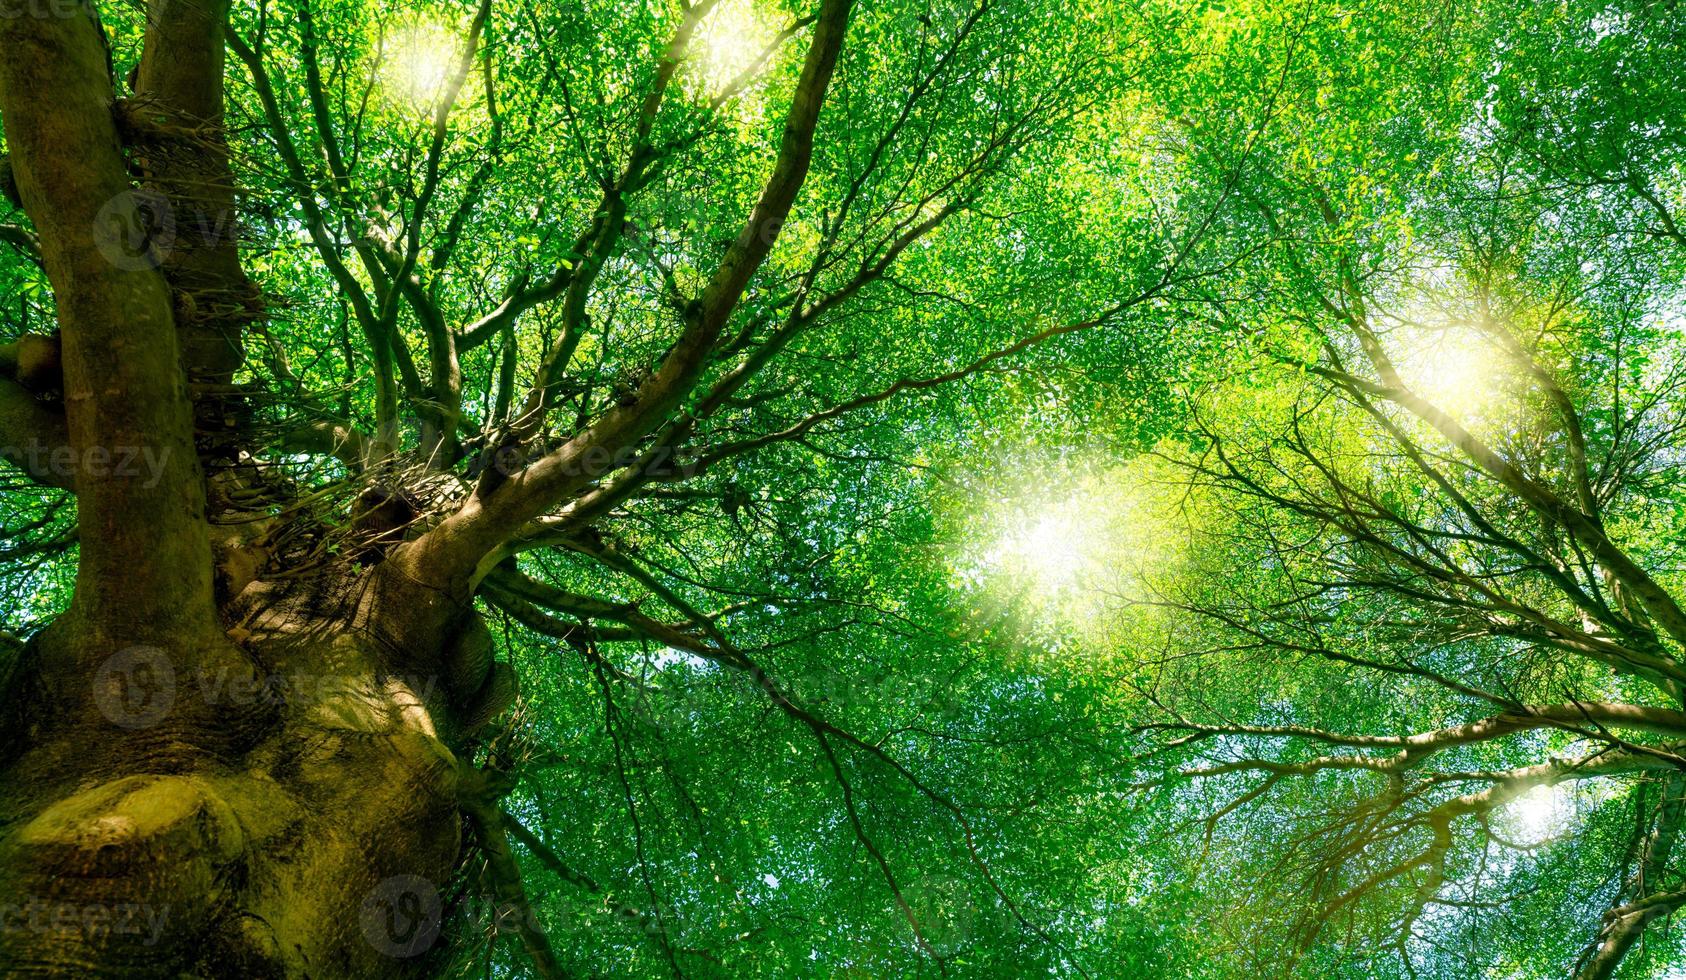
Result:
x=203 y=772
x=246 y=780
x=298 y=819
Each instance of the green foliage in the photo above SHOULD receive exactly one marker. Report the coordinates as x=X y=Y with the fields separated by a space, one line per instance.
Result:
x=1227 y=202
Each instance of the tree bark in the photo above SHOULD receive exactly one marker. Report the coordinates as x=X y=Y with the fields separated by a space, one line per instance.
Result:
x=293 y=814
x=193 y=783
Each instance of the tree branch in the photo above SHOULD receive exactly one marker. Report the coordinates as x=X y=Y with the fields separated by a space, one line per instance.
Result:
x=145 y=567
x=448 y=554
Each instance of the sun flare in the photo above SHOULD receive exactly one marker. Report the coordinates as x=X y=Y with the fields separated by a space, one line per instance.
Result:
x=730 y=41
x=1541 y=814
x=1054 y=550
x=418 y=61
x=1072 y=548
x=1456 y=369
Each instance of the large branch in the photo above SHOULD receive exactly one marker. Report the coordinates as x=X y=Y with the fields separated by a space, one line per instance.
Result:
x=1623 y=926
x=507 y=586
x=513 y=907
x=1415 y=749
x=1579 y=519
x=592 y=249
x=21 y=239
x=145 y=565
x=180 y=81
x=336 y=439
x=1584 y=528
x=448 y=554
x=1643 y=899
x=1379 y=821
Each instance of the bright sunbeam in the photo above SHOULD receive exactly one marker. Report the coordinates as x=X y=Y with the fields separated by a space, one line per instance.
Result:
x=418 y=61
x=1540 y=815
x=1069 y=549
x=729 y=42
x=1456 y=369
x=1051 y=550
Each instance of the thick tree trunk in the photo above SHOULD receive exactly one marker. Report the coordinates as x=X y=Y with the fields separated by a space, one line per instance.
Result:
x=190 y=788
x=199 y=774
x=298 y=815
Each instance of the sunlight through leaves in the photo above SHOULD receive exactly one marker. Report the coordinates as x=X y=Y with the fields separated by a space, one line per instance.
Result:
x=417 y=62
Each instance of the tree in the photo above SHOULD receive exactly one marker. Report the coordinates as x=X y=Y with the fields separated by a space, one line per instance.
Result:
x=1465 y=487
x=387 y=323
x=726 y=488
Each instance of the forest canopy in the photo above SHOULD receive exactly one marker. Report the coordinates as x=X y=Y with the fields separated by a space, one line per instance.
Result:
x=757 y=488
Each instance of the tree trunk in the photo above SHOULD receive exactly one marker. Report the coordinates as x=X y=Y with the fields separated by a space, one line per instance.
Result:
x=200 y=774
x=204 y=773
x=293 y=811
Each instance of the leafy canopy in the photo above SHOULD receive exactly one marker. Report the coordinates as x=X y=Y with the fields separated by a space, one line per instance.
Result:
x=1148 y=421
